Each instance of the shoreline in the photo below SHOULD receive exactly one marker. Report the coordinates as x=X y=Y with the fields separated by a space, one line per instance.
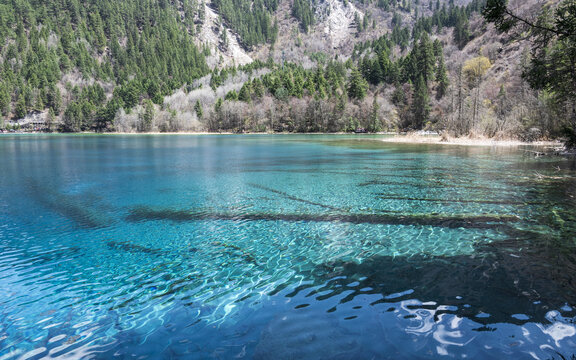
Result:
x=387 y=137
x=466 y=141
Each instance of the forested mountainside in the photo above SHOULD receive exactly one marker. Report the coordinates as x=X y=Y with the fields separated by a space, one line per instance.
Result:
x=284 y=65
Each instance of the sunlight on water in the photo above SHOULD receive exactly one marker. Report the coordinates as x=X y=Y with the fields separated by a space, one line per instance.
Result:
x=283 y=247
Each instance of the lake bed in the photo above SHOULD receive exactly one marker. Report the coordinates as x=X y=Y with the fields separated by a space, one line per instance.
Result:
x=294 y=246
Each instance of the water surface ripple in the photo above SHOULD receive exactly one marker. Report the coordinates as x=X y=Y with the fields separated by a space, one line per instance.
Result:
x=283 y=247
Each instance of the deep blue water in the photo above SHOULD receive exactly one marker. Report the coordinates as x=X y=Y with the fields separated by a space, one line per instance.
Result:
x=283 y=247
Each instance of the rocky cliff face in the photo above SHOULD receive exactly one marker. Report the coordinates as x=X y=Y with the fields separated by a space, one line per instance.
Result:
x=225 y=50
x=334 y=32
x=336 y=21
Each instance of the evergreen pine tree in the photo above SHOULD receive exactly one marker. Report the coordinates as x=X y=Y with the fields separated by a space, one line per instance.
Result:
x=357 y=85
x=20 y=110
x=245 y=93
x=231 y=95
x=198 y=109
x=441 y=78
x=218 y=105
x=398 y=96
x=461 y=30
x=424 y=53
x=420 y=104
x=375 y=124
x=257 y=88
x=4 y=100
x=321 y=83
x=145 y=118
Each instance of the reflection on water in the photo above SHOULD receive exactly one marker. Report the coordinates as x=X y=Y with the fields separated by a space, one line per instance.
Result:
x=284 y=247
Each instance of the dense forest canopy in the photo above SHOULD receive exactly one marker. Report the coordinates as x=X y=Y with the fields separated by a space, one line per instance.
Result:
x=139 y=48
x=141 y=65
x=250 y=19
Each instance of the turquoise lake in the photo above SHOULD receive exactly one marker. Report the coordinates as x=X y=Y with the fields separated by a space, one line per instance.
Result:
x=283 y=247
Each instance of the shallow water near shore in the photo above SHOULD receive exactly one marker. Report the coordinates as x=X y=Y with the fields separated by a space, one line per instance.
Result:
x=283 y=247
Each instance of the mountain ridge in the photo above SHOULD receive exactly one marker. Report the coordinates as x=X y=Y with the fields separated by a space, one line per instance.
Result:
x=120 y=76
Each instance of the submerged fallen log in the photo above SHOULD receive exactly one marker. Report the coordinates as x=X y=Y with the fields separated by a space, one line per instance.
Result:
x=543 y=177
x=535 y=153
x=132 y=248
x=483 y=221
x=552 y=151
x=291 y=197
x=72 y=207
x=463 y=201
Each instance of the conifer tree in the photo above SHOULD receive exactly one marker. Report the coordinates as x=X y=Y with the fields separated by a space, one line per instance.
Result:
x=321 y=83
x=302 y=11
x=231 y=95
x=357 y=85
x=420 y=103
x=398 y=96
x=145 y=118
x=461 y=30
x=375 y=124
x=198 y=109
x=218 y=105
x=441 y=78
x=424 y=53
x=257 y=88
x=20 y=110
x=4 y=100
x=245 y=93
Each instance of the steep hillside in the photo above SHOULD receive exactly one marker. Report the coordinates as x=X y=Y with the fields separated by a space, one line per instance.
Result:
x=335 y=26
x=225 y=49
x=495 y=100
x=337 y=22
x=268 y=65
x=82 y=62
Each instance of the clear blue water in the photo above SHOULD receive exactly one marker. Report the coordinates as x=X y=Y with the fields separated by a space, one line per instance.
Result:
x=283 y=247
